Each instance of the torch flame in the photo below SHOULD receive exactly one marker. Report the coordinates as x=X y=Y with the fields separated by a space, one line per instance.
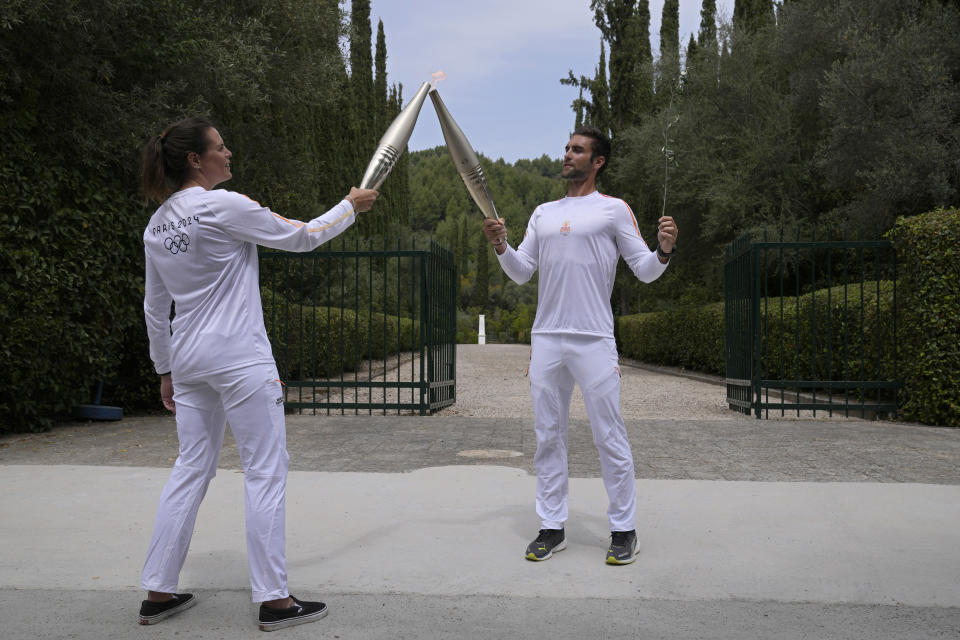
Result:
x=437 y=76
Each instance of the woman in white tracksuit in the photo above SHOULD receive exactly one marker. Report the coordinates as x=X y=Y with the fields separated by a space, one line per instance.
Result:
x=576 y=243
x=215 y=360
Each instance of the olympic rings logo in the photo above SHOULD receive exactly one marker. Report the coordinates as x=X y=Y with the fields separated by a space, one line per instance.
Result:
x=177 y=243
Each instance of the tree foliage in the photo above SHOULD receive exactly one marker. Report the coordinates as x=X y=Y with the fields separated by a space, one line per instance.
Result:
x=753 y=15
x=442 y=209
x=840 y=113
x=83 y=84
x=628 y=97
x=669 y=48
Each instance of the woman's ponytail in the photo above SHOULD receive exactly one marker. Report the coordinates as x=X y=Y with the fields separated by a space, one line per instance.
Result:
x=165 y=166
x=154 y=178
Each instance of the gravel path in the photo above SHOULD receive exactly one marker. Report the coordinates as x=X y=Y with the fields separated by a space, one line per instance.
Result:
x=680 y=428
x=492 y=383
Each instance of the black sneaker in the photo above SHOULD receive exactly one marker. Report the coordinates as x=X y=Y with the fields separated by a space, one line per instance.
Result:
x=300 y=613
x=547 y=542
x=623 y=547
x=154 y=612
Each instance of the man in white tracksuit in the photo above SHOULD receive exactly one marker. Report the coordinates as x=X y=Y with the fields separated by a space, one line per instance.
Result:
x=215 y=360
x=576 y=242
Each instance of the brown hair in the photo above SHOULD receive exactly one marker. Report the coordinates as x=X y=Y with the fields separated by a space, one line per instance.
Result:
x=165 y=165
x=600 y=144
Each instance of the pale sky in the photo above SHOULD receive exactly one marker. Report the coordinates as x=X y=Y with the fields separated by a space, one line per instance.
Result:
x=503 y=60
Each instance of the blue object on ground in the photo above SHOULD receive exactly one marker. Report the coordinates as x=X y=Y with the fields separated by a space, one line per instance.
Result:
x=97 y=411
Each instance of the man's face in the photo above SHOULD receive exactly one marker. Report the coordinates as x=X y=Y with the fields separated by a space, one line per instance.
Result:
x=577 y=162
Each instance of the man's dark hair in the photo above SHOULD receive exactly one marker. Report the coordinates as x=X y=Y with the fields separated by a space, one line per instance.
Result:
x=600 y=145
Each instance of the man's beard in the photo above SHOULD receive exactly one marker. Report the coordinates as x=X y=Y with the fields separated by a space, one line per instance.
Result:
x=575 y=174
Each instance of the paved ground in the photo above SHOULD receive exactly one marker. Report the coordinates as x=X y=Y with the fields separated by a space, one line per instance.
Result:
x=413 y=527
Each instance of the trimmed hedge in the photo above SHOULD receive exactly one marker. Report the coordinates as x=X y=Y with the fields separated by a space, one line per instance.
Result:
x=818 y=336
x=928 y=255
x=77 y=102
x=928 y=251
x=317 y=342
x=691 y=338
x=70 y=313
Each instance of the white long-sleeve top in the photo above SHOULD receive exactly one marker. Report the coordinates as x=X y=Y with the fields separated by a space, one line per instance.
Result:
x=201 y=252
x=576 y=242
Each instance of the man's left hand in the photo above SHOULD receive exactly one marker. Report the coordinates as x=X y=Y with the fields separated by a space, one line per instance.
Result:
x=667 y=233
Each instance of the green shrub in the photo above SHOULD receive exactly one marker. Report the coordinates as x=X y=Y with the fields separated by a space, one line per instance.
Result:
x=467 y=332
x=928 y=254
x=320 y=342
x=70 y=310
x=75 y=112
x=816 y=336
x=502 y=325
x=690 y=337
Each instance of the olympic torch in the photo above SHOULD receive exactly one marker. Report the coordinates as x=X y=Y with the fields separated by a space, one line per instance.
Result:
x=394 y=141
x=465 y=159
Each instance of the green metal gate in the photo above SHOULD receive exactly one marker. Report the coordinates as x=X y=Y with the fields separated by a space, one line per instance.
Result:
x=363 y=328
x=811 y=325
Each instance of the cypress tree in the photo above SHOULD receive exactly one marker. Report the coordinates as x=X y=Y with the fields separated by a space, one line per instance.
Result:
x=397 y=187
x=614 y=18
x=751 y=15
x=669 y=50
x=691 y=51
x=394 y=202
x=707 y=38
x=381 y=100
x=361 y=63
x=600 y=105
x=361 y=79
x=578 y=110
x=625 y=27
x=643 y=66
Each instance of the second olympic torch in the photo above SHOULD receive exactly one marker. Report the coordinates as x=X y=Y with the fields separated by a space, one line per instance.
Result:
x=465 y=159
x=394 y=141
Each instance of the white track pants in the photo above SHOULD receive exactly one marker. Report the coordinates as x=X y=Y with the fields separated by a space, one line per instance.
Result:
x=557 y=362
x=250 y=399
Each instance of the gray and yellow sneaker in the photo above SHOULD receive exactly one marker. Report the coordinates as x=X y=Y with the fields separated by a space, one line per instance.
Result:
x=548 y=541
x=623 y=547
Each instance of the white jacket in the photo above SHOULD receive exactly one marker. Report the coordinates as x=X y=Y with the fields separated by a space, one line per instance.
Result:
x=201 y=252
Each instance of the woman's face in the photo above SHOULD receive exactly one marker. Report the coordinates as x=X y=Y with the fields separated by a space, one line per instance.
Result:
x=214 y=162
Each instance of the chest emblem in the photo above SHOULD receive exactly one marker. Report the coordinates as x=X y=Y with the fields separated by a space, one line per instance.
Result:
x=565 y=227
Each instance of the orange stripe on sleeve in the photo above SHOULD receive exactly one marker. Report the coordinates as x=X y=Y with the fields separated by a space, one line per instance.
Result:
x=295 y=223
x=633 y=218
x=298 y=224
x=335 y=222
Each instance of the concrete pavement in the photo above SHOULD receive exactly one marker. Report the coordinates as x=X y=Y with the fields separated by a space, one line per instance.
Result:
x=414 y=527
x=450 y=539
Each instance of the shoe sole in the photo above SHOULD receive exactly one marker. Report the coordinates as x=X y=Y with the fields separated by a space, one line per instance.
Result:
x=292 y=622
x=154 y=619
x=559 y=547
